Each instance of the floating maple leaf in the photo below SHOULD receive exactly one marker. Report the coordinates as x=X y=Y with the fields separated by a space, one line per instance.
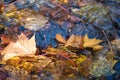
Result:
x=75 y=41
x=60 y=38
x=23 y=46
x=83 y=42
x=92 y=43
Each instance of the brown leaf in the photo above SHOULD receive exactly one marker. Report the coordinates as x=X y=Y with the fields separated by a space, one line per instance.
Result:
x=23 y=46
x=10 y=35
x=60 y=38
x=1 y=8
x=3 y=75
x=83 y=63
x=85 y=67
x=5 y=39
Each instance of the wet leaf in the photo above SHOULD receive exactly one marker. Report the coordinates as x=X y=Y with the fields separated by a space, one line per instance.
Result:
x=14 y=61
x=83 y=64
x=60 y=38
x=81 y=59
x=10 y=14
x=84 y=67
x=23 y=46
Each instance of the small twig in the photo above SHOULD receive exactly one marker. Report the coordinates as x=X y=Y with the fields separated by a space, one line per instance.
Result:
x=45 y=67
x=57 y=4
x=109 y=44
x=111 y=49
x=65 y=56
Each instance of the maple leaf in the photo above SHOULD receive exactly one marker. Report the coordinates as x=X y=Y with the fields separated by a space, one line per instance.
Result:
x=92 y=43
x=23 y=46
x=83 y=42
x=60 y=38
x=75 y=41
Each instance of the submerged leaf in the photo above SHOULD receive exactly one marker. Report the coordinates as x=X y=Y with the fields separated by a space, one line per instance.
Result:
x=83 y=65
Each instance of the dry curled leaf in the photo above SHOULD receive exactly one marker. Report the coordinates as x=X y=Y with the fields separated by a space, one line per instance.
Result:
x=23 y=46
x=60 y=38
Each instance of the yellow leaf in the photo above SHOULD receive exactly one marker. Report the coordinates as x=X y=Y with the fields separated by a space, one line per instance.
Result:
x=10 y=14
x=60 y=38
x=97 y=47
x=63 y=1
x=14 y=61
x=92 y=43
x=81 y=59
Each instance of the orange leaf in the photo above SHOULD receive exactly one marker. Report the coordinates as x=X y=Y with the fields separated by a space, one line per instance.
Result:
x=1 y=8
x=60 y=38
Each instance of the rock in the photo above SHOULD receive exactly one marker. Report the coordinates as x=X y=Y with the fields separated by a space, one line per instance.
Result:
x=117 y=66
x=100 y=67
x=47 y=36
x=97 y=14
